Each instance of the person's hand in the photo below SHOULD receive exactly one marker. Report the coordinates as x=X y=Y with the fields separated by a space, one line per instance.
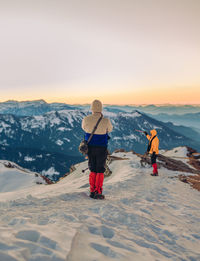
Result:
x=145 y=133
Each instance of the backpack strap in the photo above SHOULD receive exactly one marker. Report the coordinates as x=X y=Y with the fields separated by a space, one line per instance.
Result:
x=95 y=127
x=149 y=146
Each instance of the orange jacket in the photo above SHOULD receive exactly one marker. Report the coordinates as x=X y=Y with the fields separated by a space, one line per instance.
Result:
x=155 y=142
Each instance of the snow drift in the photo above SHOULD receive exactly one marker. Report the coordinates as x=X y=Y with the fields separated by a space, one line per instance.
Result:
x=14 y=178
x=142 y=218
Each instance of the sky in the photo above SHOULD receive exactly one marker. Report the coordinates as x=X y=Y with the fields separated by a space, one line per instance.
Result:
x=121 y=52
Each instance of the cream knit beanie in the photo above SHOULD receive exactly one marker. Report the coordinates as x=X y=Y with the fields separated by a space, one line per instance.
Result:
x=96 y=106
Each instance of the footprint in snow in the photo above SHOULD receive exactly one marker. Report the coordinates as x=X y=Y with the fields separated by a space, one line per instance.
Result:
x=34 y=249
x=34 y=236
x=49 y=243
x=105 y=250
x=6 y=257
x=29 y=235
x=106 y=232
x=5 y=247
x=122 y=246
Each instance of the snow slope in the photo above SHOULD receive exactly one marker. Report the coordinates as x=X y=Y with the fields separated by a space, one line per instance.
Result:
x=142 y=218
x=13 y=179
x=176 y=152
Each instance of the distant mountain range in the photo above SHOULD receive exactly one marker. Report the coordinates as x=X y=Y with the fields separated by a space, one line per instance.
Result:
x=48 y=143
x=31 y=108
x=157 y=109
x=39 y=107
x=189 y=119
x=186 y=131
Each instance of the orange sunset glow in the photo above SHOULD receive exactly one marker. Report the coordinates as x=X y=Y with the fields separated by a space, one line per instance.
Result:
x=122 y=52
x=177 y=95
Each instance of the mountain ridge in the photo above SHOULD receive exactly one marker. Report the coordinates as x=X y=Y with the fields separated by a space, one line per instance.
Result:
x=51 y=140
x=38 y=107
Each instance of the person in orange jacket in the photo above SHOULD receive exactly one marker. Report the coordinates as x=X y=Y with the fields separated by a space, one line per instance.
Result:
x=153 y=149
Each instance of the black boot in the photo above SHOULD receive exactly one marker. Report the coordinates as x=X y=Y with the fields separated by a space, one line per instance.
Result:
x=99 y=196
x=92 y=194
x=154 y=174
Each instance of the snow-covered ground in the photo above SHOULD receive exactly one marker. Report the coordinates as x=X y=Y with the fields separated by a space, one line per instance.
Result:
x=13 y=179
x=142 y=218
x=176 y=152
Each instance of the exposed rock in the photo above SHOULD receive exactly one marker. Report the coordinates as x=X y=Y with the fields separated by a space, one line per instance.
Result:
x=9 y=165
x=169 y=163
x=12 y=165
x=47 y=180
x=107 y=172
x=178 y=165
x=112 y=158
x=194 y=181
x=72 y=168
x=119 y=150
x=194 y=158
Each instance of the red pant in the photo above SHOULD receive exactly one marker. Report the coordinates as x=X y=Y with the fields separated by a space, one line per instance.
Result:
x=96 y=182
x=155 y=169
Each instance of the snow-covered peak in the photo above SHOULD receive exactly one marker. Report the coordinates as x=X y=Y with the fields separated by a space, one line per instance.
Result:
x=133 y=114
x=55 y=118
x=14 y=178
x=13 y=103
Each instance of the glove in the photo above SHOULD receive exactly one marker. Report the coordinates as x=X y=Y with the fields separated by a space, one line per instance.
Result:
x=145 y=133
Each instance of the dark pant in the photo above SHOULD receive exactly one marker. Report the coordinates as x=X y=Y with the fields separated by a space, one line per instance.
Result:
x=153 y=158
x=97 y=156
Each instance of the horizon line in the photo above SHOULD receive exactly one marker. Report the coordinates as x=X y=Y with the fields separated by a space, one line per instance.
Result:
x=109 y=104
